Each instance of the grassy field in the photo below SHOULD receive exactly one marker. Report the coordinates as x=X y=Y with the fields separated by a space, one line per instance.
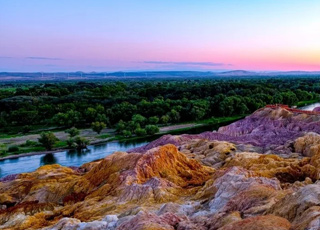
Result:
x=304 y=103
x=218 y=120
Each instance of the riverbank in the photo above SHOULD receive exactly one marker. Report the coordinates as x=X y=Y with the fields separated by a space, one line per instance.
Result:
x=110 y=136
x=306 y=103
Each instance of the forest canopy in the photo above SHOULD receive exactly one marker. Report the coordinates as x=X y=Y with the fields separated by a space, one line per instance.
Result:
x=139 y=103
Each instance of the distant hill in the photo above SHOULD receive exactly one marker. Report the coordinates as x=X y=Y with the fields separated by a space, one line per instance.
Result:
x=76 y=76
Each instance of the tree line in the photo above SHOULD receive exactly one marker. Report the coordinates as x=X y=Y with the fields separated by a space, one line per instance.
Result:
x=138 y=107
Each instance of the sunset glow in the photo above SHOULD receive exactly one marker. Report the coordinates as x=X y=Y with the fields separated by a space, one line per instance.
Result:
x=266 y=35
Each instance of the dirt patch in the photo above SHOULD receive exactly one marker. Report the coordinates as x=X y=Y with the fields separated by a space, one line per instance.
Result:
x=175 y=127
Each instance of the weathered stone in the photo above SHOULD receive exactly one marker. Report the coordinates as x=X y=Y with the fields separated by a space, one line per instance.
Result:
x=186 y=182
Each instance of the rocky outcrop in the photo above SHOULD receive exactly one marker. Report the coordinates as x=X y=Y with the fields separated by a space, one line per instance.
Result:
x=183 y=182
x=308 y=144
x=271 y=129
x=316 y=109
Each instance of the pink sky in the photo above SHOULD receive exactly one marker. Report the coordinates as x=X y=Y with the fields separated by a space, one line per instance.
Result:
x=266 y=35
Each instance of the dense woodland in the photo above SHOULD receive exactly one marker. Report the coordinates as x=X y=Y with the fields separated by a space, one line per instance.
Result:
x=135 y=105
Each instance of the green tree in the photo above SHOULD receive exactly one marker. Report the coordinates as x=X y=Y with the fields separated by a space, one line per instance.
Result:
x=90 y=114
x=174 y=115
x=164 y=119
x=26 y=129
x=289 y=98
x=126 y=133
x=153 y=120
x=72 y=132
x=140 y=132
x=121 y=125
x=70 y=118
x=81 y=142
x=48 y=140
x=98 y=126
x=151 y=129
x=71 y=143
x=102 y=118
x=137 y=118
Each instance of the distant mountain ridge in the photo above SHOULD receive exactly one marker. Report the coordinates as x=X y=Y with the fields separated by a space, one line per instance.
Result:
x=79 y=75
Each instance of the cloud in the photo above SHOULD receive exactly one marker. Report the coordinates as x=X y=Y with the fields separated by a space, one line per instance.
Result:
x=5 y=57
x=44 y=58
x=186 y=63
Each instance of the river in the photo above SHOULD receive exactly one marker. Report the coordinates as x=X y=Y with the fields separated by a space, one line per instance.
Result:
x=94 y=152
x=65 y=158
x=76 y=158
x=310 y=107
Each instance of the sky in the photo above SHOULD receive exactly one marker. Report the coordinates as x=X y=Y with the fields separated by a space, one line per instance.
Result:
x=140 y=35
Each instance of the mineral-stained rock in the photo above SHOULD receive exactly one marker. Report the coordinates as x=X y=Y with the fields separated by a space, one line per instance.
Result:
x=268 y=222
x=316 y=109
x=261 y=172
x=308 y=145
x=310 y=219
x=149 y=221
x=293 y=205
x=287 y=170
x=210 y=153
x=268 y=128
x=235 y=181
x=116 y=184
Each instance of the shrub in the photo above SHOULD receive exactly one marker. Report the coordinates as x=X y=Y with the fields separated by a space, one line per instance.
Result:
x=13 y=148
x=30 y=143
x=153 y=120
x=72 y=132
x=26 y=129
x=47 y=140
x=140 y=132
x=165 y=119
x=98 y=126
x=81 y=142
x=71 y=143
x=126 y=133
x=152 y=129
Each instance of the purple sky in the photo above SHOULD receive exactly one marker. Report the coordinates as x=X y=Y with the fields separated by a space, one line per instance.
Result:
x=99 y=35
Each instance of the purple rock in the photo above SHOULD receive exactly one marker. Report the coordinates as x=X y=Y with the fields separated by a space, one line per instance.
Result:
x=268 y=128
x=316 y=109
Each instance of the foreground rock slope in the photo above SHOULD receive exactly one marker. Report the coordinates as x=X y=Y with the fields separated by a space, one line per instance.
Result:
x=230 y=179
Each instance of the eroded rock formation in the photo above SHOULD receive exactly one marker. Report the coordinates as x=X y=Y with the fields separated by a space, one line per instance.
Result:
x=182 y=182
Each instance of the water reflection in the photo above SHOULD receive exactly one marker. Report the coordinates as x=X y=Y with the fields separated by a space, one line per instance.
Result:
x=79 y=157
x=48 y=159
x=78 y=153
x=64 y=158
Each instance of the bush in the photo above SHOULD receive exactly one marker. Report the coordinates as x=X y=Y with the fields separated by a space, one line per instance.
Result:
x=30 y=143
x=3 y=149
x=164 y=119
x=81 y=142
x=126 y=133
x=153 y=120
x=152 y=129
x=71 y=144
x=140 y=132
x=72 y=132
x=98 y=126
x=47 y=140
x=13 y=148
x=26 y=129
x=77 y=143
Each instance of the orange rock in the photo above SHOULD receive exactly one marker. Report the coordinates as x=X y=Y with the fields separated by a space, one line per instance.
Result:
x=268 y=222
